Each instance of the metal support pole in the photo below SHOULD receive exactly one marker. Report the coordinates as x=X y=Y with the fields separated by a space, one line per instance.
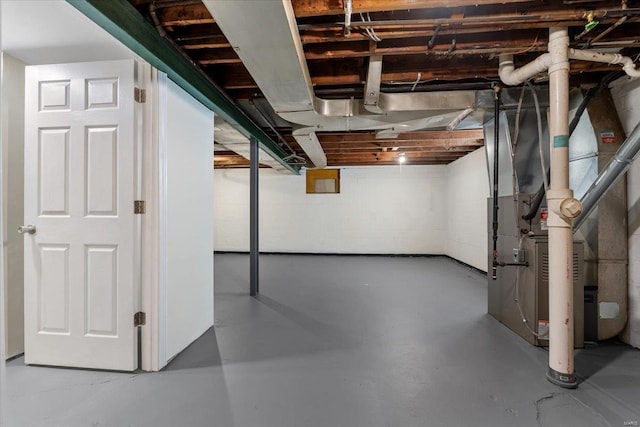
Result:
x=254 y=275
x=496 y=140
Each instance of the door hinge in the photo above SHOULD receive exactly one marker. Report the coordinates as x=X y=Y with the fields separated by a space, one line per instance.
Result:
x=140 y=95
x=139 y=319
x=139 y=207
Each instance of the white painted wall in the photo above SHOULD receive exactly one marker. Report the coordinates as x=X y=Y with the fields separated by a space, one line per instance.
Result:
x=467 y=193
x=3 y=366
x=50 y=32
x=12 y=125
x=626 y=95
x=388 y=210
x=381 y=210
x=189 y=183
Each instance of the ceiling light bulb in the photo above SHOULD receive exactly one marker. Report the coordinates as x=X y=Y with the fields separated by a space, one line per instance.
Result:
x=402 y=158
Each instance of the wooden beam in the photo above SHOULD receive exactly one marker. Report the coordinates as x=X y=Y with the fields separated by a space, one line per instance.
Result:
x=231 y=76
x=400 y=68
x=304 y=8
x=477 y=134
x=432 y=150
x=406 y=69
x=216 y=56
x=231 y=160
x=418 y=47
x=337 y=163
x=185 y=15
x=549 y=14
x=209 y=42
x=393 y=155
x=336 y=34
x=400 y=144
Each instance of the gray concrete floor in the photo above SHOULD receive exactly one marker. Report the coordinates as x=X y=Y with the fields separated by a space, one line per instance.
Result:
x=342 y=342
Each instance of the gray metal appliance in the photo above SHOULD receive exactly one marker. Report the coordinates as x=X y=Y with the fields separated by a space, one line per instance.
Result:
x=529 y=284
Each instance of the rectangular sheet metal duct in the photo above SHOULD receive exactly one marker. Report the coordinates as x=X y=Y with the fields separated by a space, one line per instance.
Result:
x=120 y=19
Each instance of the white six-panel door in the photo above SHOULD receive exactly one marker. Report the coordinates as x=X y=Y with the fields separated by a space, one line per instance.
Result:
x=80 y=264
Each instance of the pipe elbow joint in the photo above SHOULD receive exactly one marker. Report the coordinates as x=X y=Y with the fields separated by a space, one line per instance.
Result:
x=506 y=71
x=630 y=68
x=508 y=78
x=512 y=76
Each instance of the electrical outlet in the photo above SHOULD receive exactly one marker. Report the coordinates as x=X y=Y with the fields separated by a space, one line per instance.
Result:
x=518 y=255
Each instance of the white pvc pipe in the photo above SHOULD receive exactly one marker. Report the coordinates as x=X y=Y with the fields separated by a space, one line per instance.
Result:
x=512 y=76
x=608 y=58
x=563 y=208
x=561 y=367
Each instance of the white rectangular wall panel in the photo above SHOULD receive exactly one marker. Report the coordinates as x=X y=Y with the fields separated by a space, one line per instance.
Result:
x=101 y=170
x=379 y=210
x=466 y=203
x=189 y=232
x=53 y=289
x=12 y=124
x=53 y=170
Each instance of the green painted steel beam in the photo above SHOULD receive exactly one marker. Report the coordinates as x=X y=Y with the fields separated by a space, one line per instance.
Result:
x=120 y=19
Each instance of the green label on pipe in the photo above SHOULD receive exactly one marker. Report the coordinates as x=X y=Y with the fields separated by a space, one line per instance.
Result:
x=561 y=141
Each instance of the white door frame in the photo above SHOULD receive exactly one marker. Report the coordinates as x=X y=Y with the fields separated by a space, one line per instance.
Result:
x=151 y=119
x=3 y=377
x=154 y=226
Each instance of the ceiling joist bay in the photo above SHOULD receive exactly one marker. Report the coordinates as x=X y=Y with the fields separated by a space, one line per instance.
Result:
x=425 y=45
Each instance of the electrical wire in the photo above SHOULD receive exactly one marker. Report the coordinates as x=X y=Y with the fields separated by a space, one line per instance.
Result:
x=395 y=82
x=516 y=298
x=514 y=145
x=370 y=31
x=540 y=149
x=516 y=194
x=416 y=82
x=530 y=48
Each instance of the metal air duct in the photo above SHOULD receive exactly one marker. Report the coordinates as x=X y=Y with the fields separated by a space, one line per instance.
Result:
x=616 y=168
x=265 y=36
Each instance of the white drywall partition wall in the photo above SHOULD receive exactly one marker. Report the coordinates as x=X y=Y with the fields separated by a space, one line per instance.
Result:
x=3 y=366
x=467 y=193
x=626 y=95
x=12 y=119
x=380 y=210
x=189 y=209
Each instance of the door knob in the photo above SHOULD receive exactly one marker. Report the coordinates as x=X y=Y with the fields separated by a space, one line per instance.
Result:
x=27 y=229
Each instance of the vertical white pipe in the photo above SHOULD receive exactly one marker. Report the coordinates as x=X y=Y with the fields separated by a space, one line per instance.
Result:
x=561 y=369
